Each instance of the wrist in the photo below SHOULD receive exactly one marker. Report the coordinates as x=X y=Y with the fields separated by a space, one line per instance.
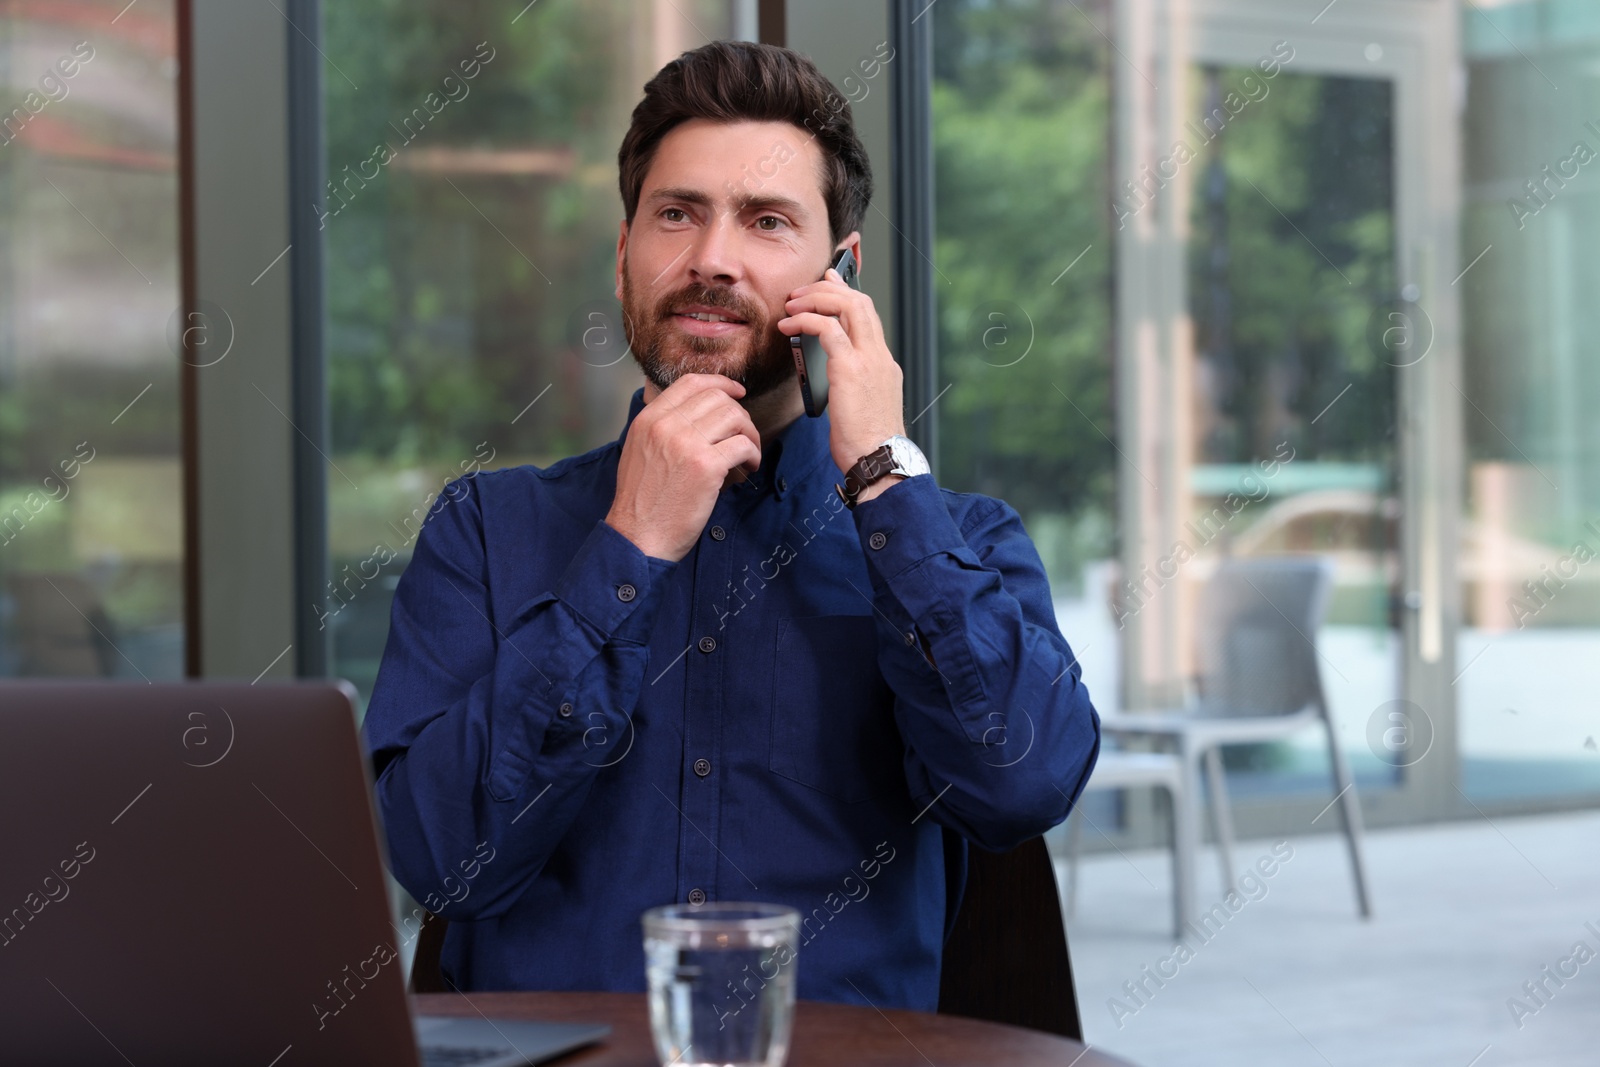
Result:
x=627 y=532
x=876 y=488
x=893 y=460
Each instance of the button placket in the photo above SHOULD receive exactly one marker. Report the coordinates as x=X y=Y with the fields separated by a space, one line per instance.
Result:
x=698 y=796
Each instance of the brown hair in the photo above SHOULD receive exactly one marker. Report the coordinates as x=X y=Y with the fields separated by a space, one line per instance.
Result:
x=741 y=81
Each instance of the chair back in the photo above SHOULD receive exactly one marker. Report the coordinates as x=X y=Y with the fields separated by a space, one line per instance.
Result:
x=1005 y=960
x=1257 y=636
x=426 y=977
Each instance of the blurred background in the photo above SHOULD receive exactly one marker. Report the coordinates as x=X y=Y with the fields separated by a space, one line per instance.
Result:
x=1198 y=281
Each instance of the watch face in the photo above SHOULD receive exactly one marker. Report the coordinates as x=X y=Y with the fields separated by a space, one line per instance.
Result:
x=908 y=458
x=880 y=462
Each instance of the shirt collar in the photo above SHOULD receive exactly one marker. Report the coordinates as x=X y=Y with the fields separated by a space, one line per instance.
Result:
x=785 y=459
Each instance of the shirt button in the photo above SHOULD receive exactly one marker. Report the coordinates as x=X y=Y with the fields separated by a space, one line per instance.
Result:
x=783 y=485
x=911 y=637
x=566 y=710
x=718 y=533
x=697 y=897
x=702 y=767
x=626 y=592
x=708 y=644
x=877 y=540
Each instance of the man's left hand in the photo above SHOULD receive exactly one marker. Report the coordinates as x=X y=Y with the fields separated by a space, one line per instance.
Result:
x=865 y=384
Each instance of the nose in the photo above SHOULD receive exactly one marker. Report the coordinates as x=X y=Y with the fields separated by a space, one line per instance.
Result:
x=712 y=258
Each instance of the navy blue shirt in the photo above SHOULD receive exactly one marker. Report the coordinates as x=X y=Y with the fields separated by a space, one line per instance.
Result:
x=813 y=707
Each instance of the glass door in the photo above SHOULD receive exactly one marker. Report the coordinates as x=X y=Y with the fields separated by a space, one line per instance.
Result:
x=1280 y=350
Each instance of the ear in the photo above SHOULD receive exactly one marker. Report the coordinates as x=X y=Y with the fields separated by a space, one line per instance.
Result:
x=853 y=243
x=622 y=255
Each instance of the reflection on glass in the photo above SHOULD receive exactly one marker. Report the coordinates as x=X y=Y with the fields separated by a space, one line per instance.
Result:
x=91 y=509
x=471 y=220
x=1291 y=262
x=1020 y=128
x=1530 y=542
x=1366 y=269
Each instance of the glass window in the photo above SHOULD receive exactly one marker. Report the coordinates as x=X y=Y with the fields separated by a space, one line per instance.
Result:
x=471 y=223
x=1530 y=579
x=91 y=509
x=1228 y=285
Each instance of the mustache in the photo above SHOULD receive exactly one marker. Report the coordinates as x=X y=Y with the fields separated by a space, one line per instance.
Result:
x=711 y=298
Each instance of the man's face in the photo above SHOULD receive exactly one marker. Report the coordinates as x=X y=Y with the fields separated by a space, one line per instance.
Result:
x=730 y=221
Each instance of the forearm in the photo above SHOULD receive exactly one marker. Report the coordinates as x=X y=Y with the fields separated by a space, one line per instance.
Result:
x=990 y=698
x=1015 y=753
x=504 y=768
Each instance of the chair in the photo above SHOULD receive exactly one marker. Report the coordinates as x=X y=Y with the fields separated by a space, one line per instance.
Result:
x=1259 y=680
x=1005 y=959
x=426 y=977
x=1116 y=770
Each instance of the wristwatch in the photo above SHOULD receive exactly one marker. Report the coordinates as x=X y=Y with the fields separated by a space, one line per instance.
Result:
x=897 y=455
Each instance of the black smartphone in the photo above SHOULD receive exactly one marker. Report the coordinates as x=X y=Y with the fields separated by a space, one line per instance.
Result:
x=810 y=358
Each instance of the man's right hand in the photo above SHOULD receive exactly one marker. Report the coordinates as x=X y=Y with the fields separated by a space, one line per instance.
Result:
x=680 y=452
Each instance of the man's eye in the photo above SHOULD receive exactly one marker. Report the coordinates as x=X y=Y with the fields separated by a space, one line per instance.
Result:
x=769 y=218
x=678 y=210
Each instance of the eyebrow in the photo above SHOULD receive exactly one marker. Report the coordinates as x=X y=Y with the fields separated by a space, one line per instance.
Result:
x=744 y=202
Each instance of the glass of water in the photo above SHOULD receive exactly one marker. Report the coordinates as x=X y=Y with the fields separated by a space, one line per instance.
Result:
x=721 y=981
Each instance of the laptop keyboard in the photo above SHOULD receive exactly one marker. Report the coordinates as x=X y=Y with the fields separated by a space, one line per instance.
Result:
x=452 y=1056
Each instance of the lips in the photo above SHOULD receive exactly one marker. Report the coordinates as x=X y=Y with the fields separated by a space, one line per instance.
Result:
x=709 y=315
x=701 y=328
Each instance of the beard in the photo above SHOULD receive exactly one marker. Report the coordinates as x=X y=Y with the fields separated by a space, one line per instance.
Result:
x=758 y=356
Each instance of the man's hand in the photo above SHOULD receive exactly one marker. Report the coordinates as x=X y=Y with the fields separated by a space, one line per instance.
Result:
x=865 y=384
x=679 y=453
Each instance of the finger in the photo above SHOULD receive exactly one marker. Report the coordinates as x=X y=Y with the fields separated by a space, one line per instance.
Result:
x=739 y=452
x=709 y=403
x=692 y=384
x=722 y=423
x=695 y=396
x=710 y=418
x=826 y=285
x=739 y=425
x=829 y=329
x=830 y=278
x=846 y=303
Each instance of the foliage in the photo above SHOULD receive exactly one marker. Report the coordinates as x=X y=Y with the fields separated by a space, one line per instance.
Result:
x=1021 y=113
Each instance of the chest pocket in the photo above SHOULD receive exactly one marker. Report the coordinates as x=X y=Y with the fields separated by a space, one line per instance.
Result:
x=833 y=725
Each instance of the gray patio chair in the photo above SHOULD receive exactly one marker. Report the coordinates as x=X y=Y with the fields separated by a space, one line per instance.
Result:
x=1115 y=770
x=1259 y=680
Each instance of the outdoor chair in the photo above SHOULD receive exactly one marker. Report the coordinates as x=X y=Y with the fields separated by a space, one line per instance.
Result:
x=1260 y=680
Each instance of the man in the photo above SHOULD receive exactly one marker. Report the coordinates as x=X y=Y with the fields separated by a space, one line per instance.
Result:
x=682 y=667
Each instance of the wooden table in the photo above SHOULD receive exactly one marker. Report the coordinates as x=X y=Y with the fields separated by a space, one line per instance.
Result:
x=828 y=1034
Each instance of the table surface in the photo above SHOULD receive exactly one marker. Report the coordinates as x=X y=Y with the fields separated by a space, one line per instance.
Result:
x=823 y=1033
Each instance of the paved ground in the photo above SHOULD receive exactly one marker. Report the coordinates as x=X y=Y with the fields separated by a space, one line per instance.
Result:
x=1464 y=914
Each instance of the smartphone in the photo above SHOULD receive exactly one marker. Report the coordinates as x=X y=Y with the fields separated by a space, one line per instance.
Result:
x=810 y=358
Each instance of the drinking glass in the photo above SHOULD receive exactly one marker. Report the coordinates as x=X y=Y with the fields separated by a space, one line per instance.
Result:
x=721 y=979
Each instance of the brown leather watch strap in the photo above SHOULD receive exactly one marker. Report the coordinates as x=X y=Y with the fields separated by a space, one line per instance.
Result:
x=868 y=469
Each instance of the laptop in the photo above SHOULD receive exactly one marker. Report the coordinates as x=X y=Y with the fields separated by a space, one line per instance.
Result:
x=191 y=873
